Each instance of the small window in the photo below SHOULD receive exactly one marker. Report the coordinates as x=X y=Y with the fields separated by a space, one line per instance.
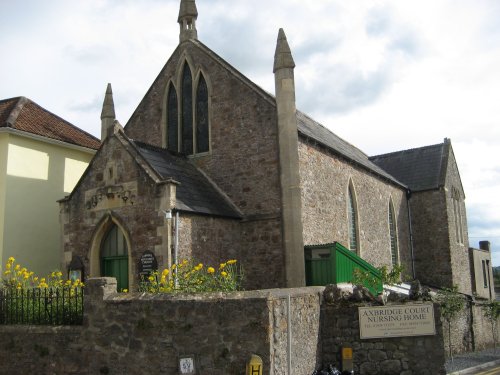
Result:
x=485 y=273
x=393 y=235
x=352 y=221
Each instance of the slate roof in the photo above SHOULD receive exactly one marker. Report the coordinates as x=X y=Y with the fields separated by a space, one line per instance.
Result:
x=196 y=193
x=22 y=114
x=314 y=130
x=421 y=168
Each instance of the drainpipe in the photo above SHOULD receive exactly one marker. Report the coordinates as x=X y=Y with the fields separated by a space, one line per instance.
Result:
x=408 y=197
x=176 y=245
x=289 y=334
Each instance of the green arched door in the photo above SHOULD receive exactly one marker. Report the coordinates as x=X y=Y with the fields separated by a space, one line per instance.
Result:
x=114 y=257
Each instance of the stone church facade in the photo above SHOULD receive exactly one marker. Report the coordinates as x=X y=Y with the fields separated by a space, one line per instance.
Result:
x=212 y=167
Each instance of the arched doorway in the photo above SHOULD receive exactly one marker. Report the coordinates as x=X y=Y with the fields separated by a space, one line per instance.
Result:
x=114 y=256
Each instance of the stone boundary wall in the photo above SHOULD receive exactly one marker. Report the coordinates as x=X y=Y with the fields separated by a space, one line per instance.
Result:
x=146 y=334
x=294 y=331
x=470 y=330
x=418 y=355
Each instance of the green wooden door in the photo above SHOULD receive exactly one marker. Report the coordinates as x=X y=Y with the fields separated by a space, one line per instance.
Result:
x=116 y=267
x=114 y=257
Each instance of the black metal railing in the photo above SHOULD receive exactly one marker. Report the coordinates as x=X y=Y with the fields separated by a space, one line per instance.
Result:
x=41 y=306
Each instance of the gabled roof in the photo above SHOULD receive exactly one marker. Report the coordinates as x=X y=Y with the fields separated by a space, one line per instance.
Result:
x=421 y=168
x=195 y=192
x=307 y=126
x=24 y=115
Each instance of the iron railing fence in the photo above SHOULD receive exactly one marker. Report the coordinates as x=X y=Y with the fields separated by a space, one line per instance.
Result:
x=41 y=306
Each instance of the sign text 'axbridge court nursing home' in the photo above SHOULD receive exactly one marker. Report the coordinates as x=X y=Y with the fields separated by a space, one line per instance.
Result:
x=396 y=321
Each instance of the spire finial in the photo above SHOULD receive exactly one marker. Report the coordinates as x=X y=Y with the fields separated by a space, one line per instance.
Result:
x=187 y=20
x=108 y=106
x=283 y=56
x=107 y=114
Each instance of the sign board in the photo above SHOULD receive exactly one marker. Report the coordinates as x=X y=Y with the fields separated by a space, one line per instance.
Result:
x=147 y=263
x=396 y=321
x=186 y=365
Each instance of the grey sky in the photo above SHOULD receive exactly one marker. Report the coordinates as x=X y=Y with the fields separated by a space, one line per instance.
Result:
x=383 y=74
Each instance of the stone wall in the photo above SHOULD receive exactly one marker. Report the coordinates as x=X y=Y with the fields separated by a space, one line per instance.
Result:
x=146 y=334
x=325 y=180
x=97 y=203
x=470 y=330
x=459 y=249
x=430 y=238
x=436 y=245
x=422 y=355
x=294 y=331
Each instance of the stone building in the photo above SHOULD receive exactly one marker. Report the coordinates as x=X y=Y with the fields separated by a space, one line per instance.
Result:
x=211 y=166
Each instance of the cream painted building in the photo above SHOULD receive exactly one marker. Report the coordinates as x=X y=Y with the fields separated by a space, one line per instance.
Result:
x=41 y=159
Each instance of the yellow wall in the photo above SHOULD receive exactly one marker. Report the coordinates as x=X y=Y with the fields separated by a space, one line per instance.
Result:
x=37 y=175
x=4 y=139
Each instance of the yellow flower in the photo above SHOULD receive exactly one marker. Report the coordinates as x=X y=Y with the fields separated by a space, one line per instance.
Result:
x=173 y=266
x=42 y=280
x=35 y=279
x=222 y=265
x=11 y=260
x=165 y=272
x=223 y=274
x=17 y=267
x=232 y=261
x=8 y=265
x=210 y=270
x=125 y=290
x=59 y=274
x=184 y=262
x=151 y=278
x=7 y=272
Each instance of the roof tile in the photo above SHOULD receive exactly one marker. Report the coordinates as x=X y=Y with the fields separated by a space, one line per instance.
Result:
x=34 y=119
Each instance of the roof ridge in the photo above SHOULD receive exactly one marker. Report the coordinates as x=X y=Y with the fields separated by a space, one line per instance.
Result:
x=406 y=150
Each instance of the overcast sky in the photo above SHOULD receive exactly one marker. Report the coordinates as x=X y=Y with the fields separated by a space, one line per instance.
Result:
x=385 y=75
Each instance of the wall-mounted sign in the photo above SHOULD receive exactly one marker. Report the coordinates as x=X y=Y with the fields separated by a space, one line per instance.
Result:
x=396 y=321
x=186 y=365
x=147 y=263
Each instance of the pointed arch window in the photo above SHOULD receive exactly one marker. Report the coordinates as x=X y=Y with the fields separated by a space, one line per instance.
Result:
x=352 y=218
x=393 y=235
x=187 y=111
x=172 y=120
x=202 y=116
x=188 y=125
x=456 y=198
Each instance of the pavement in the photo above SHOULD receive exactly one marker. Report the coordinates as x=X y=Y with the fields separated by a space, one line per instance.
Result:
x=471 y=363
